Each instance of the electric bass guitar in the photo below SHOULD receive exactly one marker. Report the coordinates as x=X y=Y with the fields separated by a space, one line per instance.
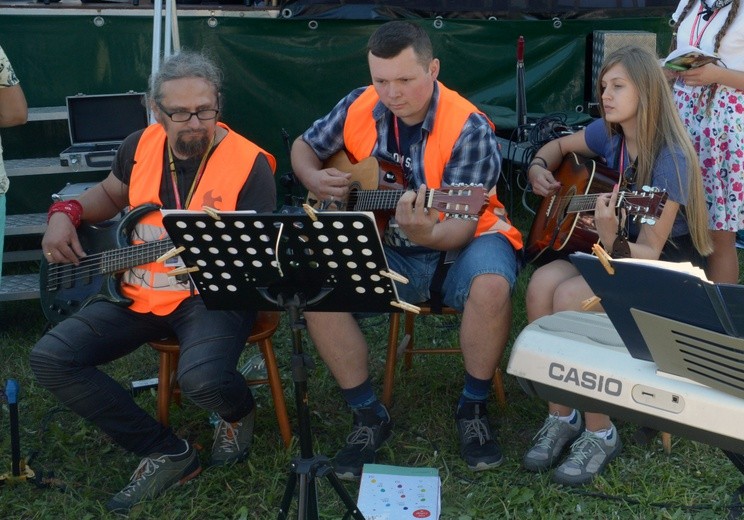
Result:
x=377 y=186
x=562 y=224
x=67 y=288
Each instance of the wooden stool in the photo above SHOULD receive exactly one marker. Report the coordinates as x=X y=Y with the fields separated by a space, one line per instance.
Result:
x=408 y=348
x=263 y=329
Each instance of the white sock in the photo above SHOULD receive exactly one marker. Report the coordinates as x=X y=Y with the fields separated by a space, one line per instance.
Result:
x=603 y=434
x=570 y=419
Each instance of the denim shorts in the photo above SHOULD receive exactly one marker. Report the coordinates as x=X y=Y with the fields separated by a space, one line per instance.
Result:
x=487 y=254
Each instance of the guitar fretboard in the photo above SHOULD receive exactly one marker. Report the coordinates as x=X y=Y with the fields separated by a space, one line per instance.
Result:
x=105 y=262
x=588 y=202
x=373 y=200
x=120 y=259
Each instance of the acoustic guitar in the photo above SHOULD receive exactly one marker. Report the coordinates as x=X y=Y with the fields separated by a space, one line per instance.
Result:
x=67 y=288
x=377 y=186
x=564 y=224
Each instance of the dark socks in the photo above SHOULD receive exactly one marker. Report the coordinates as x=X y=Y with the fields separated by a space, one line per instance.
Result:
x=475 y=390
x=363 y=396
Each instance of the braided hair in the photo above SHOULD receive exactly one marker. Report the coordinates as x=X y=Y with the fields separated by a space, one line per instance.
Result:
x=717 y=42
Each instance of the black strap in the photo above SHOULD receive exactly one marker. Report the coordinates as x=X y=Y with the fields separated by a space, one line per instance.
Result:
x=435 y=287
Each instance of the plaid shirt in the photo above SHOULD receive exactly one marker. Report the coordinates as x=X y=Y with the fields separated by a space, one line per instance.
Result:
x=475 y=158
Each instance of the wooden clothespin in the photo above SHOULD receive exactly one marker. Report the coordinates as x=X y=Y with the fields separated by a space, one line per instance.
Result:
x=406 y=306
x=604 y=258
x=394 y=276
x=211 y=212
x=170 y=254
x=591 y=304
x=182 y=270
x=310 y=212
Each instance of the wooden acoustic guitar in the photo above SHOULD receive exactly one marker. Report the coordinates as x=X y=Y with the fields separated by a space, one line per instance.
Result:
x=66 y=288
x=564 y=222
x=377 y=186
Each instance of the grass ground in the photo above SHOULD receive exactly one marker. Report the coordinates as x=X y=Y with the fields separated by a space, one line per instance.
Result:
x=695 y=481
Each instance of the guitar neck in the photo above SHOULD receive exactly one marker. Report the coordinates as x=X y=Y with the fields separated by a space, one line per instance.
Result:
x=124 y=258
x=379 y=200
x=588 y=202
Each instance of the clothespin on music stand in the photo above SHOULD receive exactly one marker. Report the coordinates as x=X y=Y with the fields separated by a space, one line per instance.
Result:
x=211 y=212
x=310 y=212
x=593 y=303
x=182 y=270
x=170 y=254
x=406 y=306
x=604 y=258
x=396 y=277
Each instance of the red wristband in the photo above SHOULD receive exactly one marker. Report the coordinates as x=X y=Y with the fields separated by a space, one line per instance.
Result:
x=71 y=208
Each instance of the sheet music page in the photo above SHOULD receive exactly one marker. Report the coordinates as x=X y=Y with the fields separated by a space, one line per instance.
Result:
x=195 y=211
x=681 y=267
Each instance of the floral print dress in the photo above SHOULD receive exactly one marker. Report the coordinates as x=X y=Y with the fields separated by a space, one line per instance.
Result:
x=714 y=118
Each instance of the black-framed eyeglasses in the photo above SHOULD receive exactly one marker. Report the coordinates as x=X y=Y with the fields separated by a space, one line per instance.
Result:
x=183 y=117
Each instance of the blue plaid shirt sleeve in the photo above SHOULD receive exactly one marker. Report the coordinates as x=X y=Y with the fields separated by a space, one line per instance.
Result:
x=475 y=158
x=326 y=135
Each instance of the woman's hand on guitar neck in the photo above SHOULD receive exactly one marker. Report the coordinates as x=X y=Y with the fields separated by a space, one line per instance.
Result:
x=542 y=180
x=60 y=243
x=605 y=217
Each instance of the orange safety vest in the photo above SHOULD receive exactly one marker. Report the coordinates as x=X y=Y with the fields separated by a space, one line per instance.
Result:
x=453 y=110
x=225 y=174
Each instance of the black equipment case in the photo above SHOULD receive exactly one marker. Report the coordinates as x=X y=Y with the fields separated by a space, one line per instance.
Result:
x=98 y=124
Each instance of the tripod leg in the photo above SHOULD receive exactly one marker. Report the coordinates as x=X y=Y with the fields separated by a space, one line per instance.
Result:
x=351 y=507
x=307 y=508
x=288 y=492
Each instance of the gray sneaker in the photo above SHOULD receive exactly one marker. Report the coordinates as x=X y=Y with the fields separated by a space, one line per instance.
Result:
x=551 y=440
x=232 y=441
x=155 y=474
x=589 y=457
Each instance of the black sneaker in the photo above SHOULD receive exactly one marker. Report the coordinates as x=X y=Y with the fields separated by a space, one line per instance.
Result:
x=478 y=446
x=368 y=433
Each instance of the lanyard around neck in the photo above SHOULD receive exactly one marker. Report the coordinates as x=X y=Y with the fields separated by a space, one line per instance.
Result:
x=197 y=177
x=696 y=33
x=626 y=177
x=396 y=132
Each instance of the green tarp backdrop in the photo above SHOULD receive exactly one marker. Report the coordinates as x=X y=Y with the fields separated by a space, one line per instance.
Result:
x=284 y=73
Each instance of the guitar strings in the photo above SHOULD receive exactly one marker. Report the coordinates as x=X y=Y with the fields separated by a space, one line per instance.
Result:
x=370 y=200
x=587 y=201
x=105 y=262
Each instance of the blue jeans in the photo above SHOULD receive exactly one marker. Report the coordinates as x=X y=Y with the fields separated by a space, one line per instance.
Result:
x=487 y=254
x=65 y=361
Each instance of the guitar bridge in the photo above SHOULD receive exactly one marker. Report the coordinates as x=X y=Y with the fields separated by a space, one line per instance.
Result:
x=549 y=207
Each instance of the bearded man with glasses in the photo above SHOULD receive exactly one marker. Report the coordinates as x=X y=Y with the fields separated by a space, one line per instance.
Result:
x=186 y=160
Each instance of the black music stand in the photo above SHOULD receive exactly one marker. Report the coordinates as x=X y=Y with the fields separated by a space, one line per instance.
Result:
x=329 y=261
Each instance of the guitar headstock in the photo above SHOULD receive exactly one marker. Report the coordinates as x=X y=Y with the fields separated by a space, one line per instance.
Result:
x=460 y=200
x=644 y=206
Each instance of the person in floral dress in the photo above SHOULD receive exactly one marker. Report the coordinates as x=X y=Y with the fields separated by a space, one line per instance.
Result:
x=710 y=100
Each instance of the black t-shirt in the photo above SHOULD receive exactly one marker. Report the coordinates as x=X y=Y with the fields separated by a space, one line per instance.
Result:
x=258 y=192
x=399 y=146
